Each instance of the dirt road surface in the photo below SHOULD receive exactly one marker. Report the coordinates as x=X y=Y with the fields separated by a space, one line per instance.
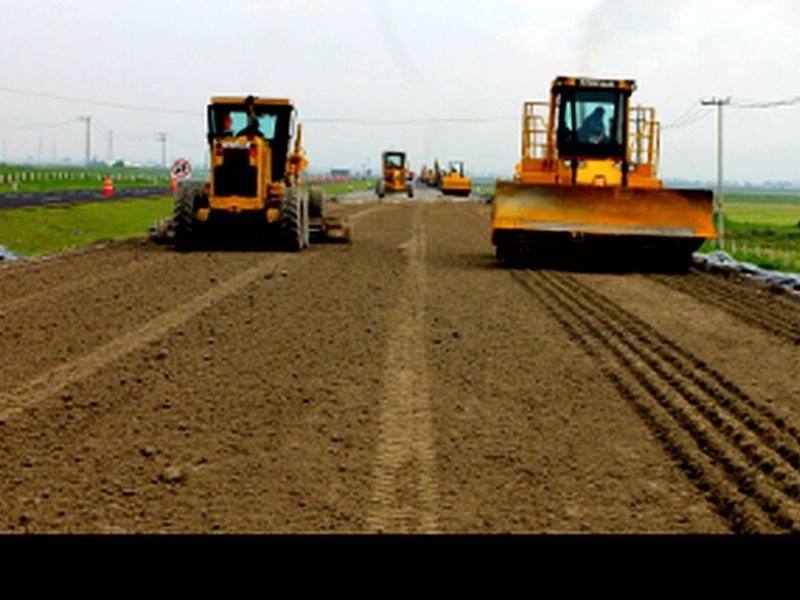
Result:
x=401 y=383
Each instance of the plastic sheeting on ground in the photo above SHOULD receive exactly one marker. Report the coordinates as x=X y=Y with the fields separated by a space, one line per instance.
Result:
x=7 y=254
x=724 y=261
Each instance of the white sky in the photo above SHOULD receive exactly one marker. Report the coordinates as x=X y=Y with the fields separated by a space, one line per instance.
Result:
x=415 y=59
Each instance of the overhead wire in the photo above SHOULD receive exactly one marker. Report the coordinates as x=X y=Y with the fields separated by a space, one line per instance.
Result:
x=768 y=104
x=95 y=102
x=693 y=115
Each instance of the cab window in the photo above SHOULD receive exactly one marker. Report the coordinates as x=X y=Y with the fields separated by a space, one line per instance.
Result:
x=591 y=123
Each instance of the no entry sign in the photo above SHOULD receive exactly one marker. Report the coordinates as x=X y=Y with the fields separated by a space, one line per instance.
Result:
x=181 y=169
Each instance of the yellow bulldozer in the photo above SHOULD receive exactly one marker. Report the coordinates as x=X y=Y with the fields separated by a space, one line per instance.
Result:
x=588 y=175
x=255 y=184
x=395 y=175
x=454 y=182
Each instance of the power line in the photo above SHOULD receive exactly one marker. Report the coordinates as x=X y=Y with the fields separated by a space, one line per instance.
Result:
x=769 y=104
x=421 y=121
x=95 y=102
x=683 y=116
x=14 y=123
x=342 y=120
x=694 y=115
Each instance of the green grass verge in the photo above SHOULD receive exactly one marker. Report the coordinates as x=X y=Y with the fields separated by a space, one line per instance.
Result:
x=39 y=179
x=36 y=231
x=763 y=229
x=44 y=230
x=337 y=189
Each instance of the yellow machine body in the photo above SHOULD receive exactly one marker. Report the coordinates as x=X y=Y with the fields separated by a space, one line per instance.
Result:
x=454 y=182
x=588 y=171
x=250 y=170
x=395 y=171
x=394 y=175
x=256 y=164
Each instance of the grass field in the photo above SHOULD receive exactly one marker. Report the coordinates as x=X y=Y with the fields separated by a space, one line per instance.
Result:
x=337 y=189
x=763 y=229
x=14 y=178
x=43 y=230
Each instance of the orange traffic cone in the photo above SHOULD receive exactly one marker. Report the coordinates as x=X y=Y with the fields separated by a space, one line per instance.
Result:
x=108 y=187
x=173 y=185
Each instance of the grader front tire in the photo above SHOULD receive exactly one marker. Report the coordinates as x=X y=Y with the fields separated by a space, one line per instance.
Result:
x=185 y=226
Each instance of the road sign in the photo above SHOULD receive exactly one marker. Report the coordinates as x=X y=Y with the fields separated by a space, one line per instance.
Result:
x=181 y=169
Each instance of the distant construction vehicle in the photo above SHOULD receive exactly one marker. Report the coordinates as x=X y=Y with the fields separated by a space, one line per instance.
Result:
x=588 y=173
x=395 y=176
x=431 y=177
x=255 y=180
x=454 y=182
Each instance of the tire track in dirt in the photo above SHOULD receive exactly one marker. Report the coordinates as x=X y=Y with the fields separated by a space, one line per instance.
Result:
x=736 y=450
x=769 y=314
x=405 y=494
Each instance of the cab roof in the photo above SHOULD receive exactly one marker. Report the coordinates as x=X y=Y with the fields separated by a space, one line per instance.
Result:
x=592 y=82
x=256 y=100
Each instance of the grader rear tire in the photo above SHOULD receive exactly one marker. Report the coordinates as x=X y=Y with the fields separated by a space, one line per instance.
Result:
x=317 y=204
x=294 y=221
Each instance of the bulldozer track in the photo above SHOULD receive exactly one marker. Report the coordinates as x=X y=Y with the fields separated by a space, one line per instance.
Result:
x=734 y=448
x=766 y=312
x=405 y=497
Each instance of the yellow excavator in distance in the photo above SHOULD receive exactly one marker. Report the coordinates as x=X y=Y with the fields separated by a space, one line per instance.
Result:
x=588 y=174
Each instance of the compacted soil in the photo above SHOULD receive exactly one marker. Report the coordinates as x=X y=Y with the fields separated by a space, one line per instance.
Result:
x=404 y=382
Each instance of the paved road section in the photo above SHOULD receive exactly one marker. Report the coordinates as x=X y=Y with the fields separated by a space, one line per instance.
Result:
x=23 y=199
x=402 y=383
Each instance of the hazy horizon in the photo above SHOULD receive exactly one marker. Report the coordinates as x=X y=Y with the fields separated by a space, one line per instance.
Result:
x=371 y=61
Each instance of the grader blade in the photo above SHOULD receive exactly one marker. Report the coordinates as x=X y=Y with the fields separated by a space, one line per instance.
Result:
x=331 y=230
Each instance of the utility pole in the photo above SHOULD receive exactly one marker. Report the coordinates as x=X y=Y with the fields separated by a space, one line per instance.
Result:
x=88 y=121
x=162 y=137
x=720 y=200
x=110 y=146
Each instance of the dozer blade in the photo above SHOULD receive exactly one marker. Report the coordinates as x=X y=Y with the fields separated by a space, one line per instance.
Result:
x=540 y=212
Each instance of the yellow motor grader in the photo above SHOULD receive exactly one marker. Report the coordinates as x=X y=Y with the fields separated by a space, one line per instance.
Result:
x=395 y=175
x=255 y=182
x=588 y=174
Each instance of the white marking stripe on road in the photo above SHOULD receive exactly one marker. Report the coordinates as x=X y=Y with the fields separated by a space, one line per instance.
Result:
x=405 y=495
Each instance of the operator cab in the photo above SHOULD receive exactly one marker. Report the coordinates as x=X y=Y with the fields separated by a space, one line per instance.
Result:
x=394 y=160
x=592 y=117
x=271 y=120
